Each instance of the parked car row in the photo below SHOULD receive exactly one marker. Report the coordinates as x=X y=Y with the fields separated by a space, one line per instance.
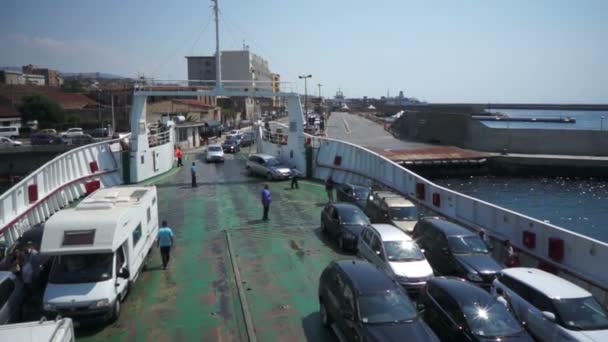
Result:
x=463 y=293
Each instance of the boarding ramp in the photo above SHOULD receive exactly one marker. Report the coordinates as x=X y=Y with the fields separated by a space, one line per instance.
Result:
x=572 y=256
x=58 y=183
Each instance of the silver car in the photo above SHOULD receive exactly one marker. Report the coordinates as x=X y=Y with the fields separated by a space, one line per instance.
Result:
x=11 y=297
x=267 y=165
x=214 y=153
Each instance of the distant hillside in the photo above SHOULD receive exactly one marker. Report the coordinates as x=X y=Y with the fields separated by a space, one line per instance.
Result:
x=102 y=75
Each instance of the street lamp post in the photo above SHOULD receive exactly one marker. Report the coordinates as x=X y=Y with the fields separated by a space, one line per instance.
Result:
x=305 y=77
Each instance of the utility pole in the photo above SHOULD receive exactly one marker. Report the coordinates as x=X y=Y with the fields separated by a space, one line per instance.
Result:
x=305 y=77
x=218 y=58
x=113 y=120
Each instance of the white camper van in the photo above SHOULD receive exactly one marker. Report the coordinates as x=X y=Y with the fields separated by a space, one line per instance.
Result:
x=100 y=246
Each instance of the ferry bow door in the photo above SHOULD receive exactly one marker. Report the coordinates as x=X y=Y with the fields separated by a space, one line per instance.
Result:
x=122 y=273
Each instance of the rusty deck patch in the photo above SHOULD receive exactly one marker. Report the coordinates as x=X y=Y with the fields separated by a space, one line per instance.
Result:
x=431 y=153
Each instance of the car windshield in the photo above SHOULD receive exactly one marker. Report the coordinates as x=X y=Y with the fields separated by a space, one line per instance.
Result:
x=490 y=321
x=467 y=245
x=84 y=268
x=386 y=307
x=230 y=142
x=353 y=216
x=402 y=251
x=272 y=162
x=214 y=149
x=582 y=313
x=361 y=193
x=403 y=213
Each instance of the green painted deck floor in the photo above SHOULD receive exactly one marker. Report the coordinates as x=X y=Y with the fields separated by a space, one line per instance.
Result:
x=197 y=298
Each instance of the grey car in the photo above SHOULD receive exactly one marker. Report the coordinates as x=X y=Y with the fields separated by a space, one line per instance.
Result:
x=268 y=166
x=11 y=297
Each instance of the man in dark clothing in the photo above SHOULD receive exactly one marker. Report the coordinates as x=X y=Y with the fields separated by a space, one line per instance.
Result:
x=193 y=173
x=329 y=187
x=266 y=199
x=294 y=179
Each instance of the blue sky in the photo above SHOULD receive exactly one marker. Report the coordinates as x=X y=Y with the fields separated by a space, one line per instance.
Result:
x=438 y=51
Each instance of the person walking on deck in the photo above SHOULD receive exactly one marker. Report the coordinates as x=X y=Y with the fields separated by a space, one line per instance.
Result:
x=165 y=241
x=193 y=174
x=179 y=155
x=329 y=187
x=266 y=199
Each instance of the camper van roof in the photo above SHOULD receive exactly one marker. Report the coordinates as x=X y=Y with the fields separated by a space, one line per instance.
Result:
x=95 y=223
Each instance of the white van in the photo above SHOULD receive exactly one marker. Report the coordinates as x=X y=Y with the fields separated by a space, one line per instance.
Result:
x=9 y=132
x=61 y=330
x=100 y=246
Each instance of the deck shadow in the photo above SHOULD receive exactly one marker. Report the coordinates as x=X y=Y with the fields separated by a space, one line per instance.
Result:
x=314 y=329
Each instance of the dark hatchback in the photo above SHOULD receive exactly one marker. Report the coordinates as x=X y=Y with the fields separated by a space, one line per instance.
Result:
x=42 y=138
x=453 y=250
x=231 y=146
x=360 y=302
x=343 y=222
x=460 y=311
x=248 y=139
x=353 y=193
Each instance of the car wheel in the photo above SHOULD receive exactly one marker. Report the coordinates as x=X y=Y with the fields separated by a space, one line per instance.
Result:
x=269 y=176
x=325 y=319
x=116 y=310
x=341 y=243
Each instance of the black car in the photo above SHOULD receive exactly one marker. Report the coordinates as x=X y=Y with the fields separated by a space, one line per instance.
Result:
x=231 y=146
x=362 y=303
x=343 y=222
x=453 y=250
x=460 y=311
x=248 y=139
x=352 y=193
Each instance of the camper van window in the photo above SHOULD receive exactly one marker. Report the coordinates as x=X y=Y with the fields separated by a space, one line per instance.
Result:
x=83 y=268
x=149 y=212
x=137 y=233
x=120 y=259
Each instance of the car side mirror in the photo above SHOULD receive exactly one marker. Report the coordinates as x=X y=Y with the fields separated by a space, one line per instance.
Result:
x=549 y=315
x=124 y=273
x=445 y=251
x=348 y=315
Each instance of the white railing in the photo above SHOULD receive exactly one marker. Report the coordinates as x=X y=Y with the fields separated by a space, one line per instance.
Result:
x=582 y=256
x=159 y=138
x=57 y=183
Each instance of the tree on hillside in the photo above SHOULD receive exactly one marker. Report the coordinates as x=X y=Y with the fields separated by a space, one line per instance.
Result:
x=39 y=107
x=72 y=86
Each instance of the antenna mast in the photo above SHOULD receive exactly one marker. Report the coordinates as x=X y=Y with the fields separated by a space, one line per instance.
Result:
x=218 y=58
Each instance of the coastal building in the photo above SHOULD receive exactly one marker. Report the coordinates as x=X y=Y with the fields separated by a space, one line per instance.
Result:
x=51 y=77
x=240 y=68
x=11 y=77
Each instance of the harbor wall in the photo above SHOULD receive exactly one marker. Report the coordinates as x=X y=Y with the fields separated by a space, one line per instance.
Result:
x=460 y=130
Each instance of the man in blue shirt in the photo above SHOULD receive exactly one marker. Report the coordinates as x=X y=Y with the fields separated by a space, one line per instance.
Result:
x=165 y=241
x=266 y=199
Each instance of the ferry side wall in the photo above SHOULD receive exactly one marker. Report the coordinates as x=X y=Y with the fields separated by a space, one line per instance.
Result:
x=460 y=130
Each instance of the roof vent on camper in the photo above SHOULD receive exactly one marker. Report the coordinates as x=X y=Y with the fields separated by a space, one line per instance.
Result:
x=138 y=194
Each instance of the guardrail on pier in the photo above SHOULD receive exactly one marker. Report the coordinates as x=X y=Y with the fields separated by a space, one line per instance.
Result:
x=573 y=256
x=56 y=184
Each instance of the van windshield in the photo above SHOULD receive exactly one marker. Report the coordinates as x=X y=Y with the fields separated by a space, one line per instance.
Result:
x=81 y=268
x=403 y=213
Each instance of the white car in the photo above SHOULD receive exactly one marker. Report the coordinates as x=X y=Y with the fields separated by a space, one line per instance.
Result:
x=234 y=132
x=8 y=141
x=391 y=249
x=214 y=153
x=72 y=132
x=553 y=308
